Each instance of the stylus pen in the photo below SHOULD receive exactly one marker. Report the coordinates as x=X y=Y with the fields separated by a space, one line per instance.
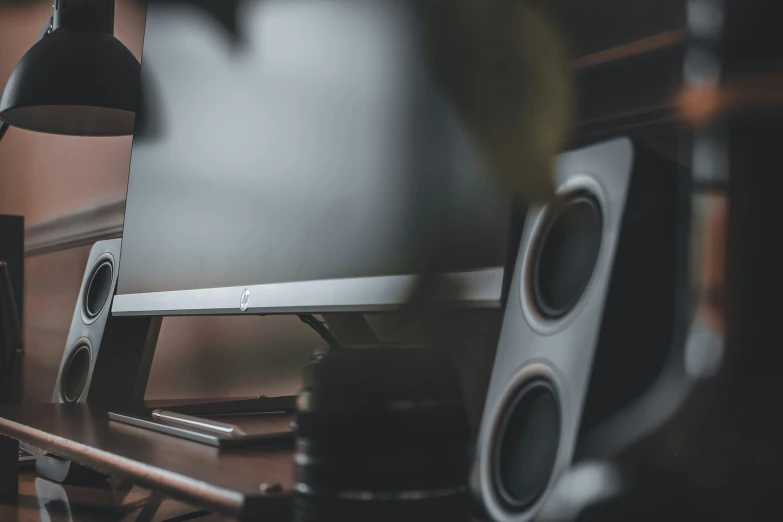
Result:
x=196 y=422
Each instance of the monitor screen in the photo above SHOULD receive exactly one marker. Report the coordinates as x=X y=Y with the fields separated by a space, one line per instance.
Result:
x=298 y=158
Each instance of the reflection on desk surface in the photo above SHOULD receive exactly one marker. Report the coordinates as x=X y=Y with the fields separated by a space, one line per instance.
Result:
x=256 y=424
x=42 y=501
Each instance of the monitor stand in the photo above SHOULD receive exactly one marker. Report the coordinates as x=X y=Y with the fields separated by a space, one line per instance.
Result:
x=350 y=329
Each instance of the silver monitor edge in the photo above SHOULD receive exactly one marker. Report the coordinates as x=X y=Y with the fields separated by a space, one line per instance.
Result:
x=476 y=288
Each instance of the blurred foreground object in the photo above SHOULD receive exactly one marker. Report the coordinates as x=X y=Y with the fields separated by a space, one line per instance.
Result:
x=505 y=69
x=78 y=79
x=718 y=455
x=382 y=435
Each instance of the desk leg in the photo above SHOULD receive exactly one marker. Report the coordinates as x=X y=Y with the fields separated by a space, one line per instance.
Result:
x=9 y=470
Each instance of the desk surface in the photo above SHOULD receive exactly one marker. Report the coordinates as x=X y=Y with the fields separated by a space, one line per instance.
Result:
x=43 y=501
x=226 y=480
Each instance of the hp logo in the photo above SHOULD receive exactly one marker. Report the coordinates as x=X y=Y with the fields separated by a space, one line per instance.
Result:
x=244 y=300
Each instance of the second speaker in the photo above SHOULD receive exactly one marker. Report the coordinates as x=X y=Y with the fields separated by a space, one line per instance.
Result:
x=106 y=358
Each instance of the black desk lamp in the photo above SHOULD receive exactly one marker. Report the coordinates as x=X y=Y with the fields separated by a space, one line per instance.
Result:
x=78 y=79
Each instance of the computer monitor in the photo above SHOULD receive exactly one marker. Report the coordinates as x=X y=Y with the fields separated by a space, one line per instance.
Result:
x=306 y=164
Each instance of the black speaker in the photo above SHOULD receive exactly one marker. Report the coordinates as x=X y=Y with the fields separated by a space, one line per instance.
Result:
x=106 y=358
x=589 y=321
x=11 y=307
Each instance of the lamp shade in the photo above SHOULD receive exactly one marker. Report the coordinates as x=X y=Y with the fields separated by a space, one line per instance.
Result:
x=74 y=82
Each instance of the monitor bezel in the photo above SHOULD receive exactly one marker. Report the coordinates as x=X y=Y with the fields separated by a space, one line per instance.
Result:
x=480 y=288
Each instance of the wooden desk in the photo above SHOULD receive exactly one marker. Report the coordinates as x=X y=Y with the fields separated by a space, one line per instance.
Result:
x=223 y=481
x=43 y=501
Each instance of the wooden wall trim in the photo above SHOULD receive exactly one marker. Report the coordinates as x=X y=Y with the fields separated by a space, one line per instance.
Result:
x=80 y=228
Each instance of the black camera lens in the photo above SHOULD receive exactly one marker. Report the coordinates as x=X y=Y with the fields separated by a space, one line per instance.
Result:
x=382 y=435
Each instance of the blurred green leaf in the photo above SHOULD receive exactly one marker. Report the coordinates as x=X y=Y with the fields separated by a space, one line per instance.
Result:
x=505 y=68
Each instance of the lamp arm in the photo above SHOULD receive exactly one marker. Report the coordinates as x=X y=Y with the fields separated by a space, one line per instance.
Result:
x=46 y=30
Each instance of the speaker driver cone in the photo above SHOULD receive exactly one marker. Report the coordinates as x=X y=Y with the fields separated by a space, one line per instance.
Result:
x=98 y=288
x=76 y=372
x=565 y=254
x=526 y=445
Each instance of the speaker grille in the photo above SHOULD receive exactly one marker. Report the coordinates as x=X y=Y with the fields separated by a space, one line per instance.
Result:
x=98 y=288
x=565 y=254
x=76 y=372
x=526 y=445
